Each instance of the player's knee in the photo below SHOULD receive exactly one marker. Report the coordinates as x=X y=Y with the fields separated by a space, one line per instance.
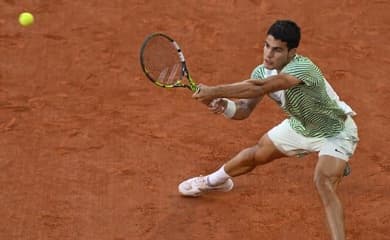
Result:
x=325 y=184
x=261 y=157
x=265 y=151
x=326 y=188
x=321 y=182
x=251 y=156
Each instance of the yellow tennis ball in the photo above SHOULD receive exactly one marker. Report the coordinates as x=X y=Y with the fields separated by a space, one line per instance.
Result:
x=26 y=19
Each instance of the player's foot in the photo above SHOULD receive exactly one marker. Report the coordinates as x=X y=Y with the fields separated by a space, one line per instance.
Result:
x=194 y=187
x=347 y=170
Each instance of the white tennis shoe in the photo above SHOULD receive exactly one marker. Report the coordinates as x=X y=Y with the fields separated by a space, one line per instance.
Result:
x=194 y=187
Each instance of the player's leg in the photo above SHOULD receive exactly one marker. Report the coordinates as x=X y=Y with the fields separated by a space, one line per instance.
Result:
x=260 y=154
x=331 y=167
x=244 y=162
x=328 y=174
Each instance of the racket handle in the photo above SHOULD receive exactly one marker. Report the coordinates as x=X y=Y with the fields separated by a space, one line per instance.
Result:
x=194 y=88
x=197 y=89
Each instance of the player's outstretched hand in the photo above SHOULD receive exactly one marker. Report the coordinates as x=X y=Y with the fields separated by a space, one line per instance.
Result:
x=204 y=94
x=218 y=105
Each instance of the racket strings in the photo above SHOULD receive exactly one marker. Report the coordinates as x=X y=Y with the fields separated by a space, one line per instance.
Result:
x=161 y=61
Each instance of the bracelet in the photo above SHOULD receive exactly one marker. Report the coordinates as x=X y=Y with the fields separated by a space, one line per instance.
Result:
x=231 y=108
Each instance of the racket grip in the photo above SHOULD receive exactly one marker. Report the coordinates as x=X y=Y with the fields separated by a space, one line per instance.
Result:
x=196 y=89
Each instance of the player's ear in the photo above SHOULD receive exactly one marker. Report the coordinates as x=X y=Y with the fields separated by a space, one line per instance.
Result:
x=292 y=52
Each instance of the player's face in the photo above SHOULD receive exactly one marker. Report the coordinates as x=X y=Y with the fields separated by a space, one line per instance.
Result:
x=276 y=53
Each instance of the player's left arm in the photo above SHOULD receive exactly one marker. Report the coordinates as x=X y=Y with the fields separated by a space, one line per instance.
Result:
x=278 y=82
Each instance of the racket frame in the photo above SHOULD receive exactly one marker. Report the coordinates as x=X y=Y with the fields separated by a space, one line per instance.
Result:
x=184 y=70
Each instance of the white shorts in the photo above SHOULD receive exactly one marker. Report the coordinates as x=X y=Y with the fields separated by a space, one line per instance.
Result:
x=291 y=143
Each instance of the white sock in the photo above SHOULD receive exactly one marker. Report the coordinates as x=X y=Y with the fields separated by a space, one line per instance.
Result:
x=217 y=177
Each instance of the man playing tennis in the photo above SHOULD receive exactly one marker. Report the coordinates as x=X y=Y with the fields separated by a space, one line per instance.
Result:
x=318 y=121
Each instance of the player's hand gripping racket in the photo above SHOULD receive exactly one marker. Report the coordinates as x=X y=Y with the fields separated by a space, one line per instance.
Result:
x=164 y=64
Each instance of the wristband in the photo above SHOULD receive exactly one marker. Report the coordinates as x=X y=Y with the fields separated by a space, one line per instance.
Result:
x=231 y=108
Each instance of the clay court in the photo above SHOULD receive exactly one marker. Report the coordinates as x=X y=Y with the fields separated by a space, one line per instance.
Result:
x=91 y=150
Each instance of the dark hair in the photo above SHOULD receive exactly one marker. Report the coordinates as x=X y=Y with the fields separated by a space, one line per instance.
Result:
x=286 y=31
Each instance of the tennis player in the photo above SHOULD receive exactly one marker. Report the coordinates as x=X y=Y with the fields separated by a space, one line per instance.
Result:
x=318 y=121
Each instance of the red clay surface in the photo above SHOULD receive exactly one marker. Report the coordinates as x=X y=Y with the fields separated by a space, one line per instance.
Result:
x=91 y=150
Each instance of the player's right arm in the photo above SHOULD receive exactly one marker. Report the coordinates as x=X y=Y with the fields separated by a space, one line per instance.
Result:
x=243 y=107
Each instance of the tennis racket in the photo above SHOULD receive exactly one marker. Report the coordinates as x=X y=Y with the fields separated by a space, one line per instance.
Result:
x=164 y=64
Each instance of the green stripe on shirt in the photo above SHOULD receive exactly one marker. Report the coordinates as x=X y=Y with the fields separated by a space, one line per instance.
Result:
x=311 y=111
